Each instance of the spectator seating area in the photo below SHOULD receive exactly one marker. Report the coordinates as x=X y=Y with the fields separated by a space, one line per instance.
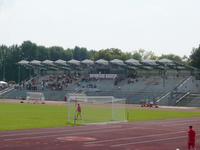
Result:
x=162 y=81
x=135 y=90
x=183 y=93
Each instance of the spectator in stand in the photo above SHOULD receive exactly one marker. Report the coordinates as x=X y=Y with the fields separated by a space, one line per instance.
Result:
x=65 y=98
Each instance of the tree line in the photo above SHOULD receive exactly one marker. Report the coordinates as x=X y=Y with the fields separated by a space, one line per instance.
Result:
x=10 y=55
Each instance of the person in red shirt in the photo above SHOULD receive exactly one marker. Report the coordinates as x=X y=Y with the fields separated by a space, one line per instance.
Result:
x=191 y=138
x=78 y=110
x=65 y=98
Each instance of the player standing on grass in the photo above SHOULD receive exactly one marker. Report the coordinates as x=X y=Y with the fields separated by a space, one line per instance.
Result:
x=191 y=138
x=78 y=112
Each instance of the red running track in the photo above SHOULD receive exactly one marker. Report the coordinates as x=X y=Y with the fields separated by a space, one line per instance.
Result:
x=158 y=135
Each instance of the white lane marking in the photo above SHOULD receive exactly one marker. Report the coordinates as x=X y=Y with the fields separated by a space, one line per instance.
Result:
x=181 y=124
x=61 y=131
x=74 y=133
x=130 y=138
x=85 y=132
x=93 y=145
x=99 y=127
x=149 y=141
x=78 y=133
x=179 y=120
x=171 y=122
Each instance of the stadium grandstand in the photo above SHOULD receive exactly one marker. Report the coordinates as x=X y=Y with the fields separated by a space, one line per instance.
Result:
x=159 y=81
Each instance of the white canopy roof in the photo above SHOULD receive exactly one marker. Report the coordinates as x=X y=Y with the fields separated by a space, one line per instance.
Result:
x=3 y=82
x=164 y=60
x=133 y=62
x=48 y=62
x=102 y=62
x=60 y=62
x=117 y=61
x=23 y=62
x=87 y=61
x=74 y=62
x=149 y=62
x=35 y=62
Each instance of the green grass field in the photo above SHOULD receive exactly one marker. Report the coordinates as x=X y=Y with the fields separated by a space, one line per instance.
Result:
x=29 y=116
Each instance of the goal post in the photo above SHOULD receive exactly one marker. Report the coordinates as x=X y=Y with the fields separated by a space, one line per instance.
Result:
x=35 y=97
x=95 y=109
x=119 y=111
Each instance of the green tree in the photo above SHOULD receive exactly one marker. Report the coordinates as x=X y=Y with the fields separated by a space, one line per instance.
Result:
x=68 y=54
x=28 y=50
x=172 y=57
x=195 y=57
x=80 y=53
x=56 y=53
x=9 y=56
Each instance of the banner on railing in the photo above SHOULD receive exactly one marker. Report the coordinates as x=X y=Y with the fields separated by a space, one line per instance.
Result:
x=103 y=76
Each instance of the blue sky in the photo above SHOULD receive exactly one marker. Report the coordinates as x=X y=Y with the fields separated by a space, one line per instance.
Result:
x=162 y=26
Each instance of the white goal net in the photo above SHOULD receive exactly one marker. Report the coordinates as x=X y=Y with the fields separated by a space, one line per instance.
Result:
x=35 y=97
x=83 y=109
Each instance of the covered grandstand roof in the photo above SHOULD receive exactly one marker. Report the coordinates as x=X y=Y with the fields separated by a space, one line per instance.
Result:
x=35 y=62
x=149 y=62
x=164 y=60
x=60 y=62
x=133 y=62
x=48 y=62
x=130 y=64
x=102 y=62
x=23 y=62
x=74 y=62
x=88 y=62
x=117 y=62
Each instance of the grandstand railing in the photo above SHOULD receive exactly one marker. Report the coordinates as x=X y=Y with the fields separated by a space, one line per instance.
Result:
x=164 y=96
x=4 y=91
x=183 y=82
x=182 y=97
x=175 y=91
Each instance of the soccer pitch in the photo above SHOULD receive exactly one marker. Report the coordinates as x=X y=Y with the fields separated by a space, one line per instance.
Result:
x=15 y=116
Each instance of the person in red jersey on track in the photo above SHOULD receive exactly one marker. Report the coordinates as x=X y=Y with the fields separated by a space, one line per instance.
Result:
x=191 y=138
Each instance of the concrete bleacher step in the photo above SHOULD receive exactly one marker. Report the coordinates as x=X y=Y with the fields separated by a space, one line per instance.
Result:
x=192 y=100
x=144 y=88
